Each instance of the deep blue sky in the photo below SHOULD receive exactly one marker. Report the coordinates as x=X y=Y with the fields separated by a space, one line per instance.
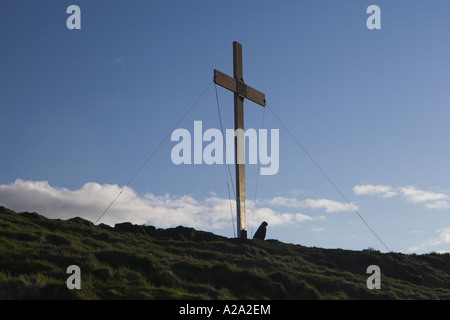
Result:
x=370 y=106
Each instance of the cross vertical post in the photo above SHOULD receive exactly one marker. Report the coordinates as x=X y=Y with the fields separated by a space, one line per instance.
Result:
x=241 y=92
x=239 y=143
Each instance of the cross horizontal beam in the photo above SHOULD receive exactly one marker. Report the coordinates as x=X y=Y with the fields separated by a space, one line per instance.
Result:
x=239 y=87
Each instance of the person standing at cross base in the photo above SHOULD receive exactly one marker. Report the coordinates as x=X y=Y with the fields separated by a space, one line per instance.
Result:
x=261 y=232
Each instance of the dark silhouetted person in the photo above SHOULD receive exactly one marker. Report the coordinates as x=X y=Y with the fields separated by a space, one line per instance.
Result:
x=261 y=232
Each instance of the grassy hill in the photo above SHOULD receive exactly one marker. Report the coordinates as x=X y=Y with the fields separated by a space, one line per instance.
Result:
x=142 y=262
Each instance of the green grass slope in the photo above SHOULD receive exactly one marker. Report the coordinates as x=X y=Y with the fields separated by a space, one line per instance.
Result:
x=142 y=262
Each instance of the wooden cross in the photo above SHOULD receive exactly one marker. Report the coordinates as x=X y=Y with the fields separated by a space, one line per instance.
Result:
x=241 y=92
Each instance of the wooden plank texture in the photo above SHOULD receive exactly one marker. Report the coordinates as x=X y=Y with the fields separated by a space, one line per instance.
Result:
x=239 y=87
x=241 y=92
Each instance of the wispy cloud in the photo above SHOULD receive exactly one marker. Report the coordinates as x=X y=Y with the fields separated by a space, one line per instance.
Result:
x=378 y=190
x=443 y=237
x=279 y=219
x=430 y=199
x=163 y=211
x=118 y=60
x=328 y=205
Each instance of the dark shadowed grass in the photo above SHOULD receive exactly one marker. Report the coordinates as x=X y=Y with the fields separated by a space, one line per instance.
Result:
x=142 y=262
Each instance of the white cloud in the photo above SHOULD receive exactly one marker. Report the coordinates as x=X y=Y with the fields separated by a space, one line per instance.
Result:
x=273 y=219
x=162 y=211
x=419 y=196
x=284 y=202
x=299 y=217
x=427 y=245
x=430 y=199
x=328 y=205
x=438 y=205
x=379 y=190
